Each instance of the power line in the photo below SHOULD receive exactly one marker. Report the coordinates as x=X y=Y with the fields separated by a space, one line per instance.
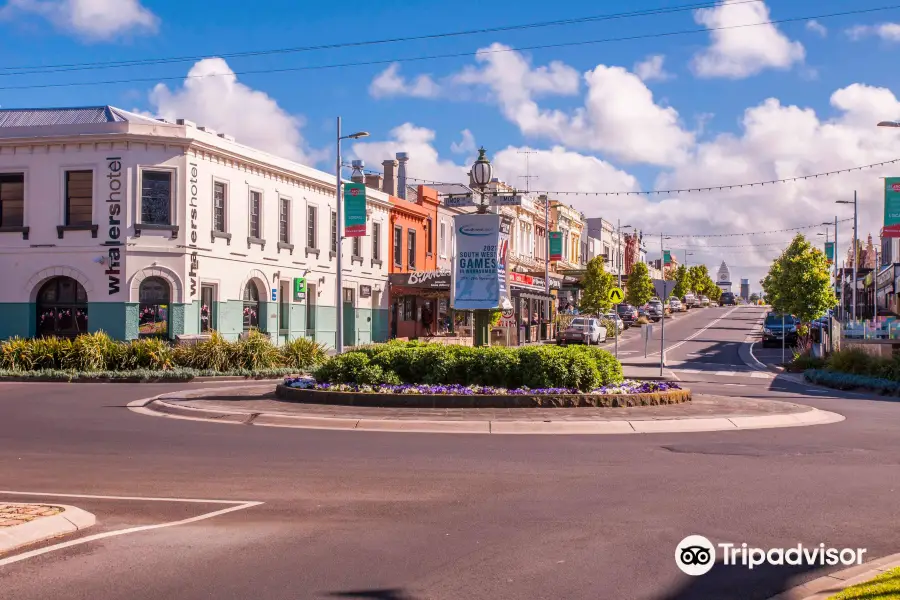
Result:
x=450 y=55
x=720 y=235
x=33 y=69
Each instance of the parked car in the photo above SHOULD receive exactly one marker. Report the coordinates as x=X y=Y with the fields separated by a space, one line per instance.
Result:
x=655 y=310
x=628 y=313
x=778 y=327
x=727 y=299
x=615 y=319
x=675 y=305
x=690 y=301
x=582 y=330
x=704 y=301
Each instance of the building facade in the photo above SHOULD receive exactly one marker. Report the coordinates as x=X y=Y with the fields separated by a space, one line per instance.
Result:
x=140 y=227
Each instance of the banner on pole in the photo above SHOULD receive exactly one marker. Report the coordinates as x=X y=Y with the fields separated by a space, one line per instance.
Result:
x=891 y=207
x=667 y=257
x=829 y=251
x=479 y=273
x=354 y=209
x=556 y=245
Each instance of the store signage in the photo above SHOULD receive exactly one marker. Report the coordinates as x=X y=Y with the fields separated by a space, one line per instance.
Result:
x=891 y=207
x=886 y=277
x=274 y=294
x=433 y=280
x=479 y=275
x=114 y=233
x=299 y=288
x=520 y=278
x=192 y=272
x=354 y=209
x=365 y=291
x=556 y=241
x=459 y=201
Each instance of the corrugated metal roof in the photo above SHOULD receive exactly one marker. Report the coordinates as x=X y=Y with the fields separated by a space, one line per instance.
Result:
x=37 y=117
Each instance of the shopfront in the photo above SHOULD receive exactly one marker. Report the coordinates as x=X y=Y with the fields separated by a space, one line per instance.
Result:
x=532 y=308
x=420 y=304
x=886 y=293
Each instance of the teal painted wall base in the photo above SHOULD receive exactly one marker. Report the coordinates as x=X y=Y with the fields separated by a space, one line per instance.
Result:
x=17 y=319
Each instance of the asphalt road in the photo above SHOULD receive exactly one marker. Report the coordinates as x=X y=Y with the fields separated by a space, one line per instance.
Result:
x=414 y=516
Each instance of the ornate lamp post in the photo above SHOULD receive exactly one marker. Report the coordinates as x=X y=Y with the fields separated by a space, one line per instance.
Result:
x=480 y=177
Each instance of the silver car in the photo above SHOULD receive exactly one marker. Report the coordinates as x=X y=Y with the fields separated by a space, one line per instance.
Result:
x=581 y=330
x=675 y=305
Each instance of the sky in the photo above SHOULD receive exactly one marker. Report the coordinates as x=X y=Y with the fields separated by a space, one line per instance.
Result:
x=637 y=96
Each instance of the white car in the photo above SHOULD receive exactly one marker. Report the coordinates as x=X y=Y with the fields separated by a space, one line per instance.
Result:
x=582 y=330
x=704 y=301
x=615 y=319
x=675 y=305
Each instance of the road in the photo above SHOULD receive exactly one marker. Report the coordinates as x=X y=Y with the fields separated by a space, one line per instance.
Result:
x=414 y=516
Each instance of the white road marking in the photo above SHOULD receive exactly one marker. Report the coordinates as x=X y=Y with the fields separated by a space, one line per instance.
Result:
x=238 y=505
x=694 y=335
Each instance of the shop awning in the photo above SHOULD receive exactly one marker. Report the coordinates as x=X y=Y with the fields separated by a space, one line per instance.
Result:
x=422 y=280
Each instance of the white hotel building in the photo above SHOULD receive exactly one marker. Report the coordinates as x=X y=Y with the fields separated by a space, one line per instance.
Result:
x=118 y=222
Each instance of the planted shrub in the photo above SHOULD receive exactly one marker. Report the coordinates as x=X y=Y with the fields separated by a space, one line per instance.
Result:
x=302 y=353
x=354 y=367
x=90 y=352
x=16 y=355
x=854 y=361
x=215 y=354
x=256 y=352
x=150 y=353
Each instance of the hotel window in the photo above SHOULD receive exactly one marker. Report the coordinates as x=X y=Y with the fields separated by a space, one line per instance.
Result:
x=12 y=199
x=398 y=246
x=79 y=197
x=357 y=246
x=311 y=237
x=153 y=316
x=429 y=230
x=376 y=241
x=156 y=197
x=219 y=192
x=334 y=232
x=284 y=219
x=442 y=239
x=255 y=206
x=411 y=248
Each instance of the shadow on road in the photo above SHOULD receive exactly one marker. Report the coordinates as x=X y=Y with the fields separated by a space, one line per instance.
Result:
x=738 y=582
x=388 y=594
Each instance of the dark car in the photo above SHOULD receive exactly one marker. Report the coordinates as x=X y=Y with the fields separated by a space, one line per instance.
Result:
x=628 y=314
x=778 y=327
x=655 y=310
x=728 y=299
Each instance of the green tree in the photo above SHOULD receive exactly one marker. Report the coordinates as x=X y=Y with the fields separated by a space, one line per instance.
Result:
x=640 y=286
x=682 y=282
x=799 y=281
x=713 y=291
x=699 y=279
x=754 y=297
x=597 y=286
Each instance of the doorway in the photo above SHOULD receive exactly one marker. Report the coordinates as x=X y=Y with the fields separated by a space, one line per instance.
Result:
x=349 y=308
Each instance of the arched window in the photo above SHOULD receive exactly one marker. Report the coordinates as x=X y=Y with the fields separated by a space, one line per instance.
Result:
x=251 y=307
x=154 y=295
x=62 y=308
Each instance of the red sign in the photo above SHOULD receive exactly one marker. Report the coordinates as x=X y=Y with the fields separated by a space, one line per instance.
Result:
x=520 y=278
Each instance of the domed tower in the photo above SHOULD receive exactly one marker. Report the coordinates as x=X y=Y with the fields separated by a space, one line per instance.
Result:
x=723 y=278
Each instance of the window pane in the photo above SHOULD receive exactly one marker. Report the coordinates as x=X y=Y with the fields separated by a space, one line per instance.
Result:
x=156 y=197
x=219 y=206
x=255 y=199
x=334 y=231
x=357 y=246
x=398 y=246
x=376 y=241
x=428 y=231
x=283 y=221
x=79 y=197
x=207 y=295
x=12 y=200
x=411 y=249
x=311 y=238
x=153 y=320
x=154 y=290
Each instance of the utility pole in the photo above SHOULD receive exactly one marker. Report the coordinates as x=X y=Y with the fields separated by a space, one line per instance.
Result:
x=662 y=328
x=855 y=252
x=527 y=176
x=546 y=201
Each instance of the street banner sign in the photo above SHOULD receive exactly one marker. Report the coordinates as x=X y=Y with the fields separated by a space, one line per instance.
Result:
x=616 y=296
x=459 y=201
x=829 y=251
x=667 y=257
x=506 y=200
x=556 y=245
x=354 y=209
x=891 y=207
x=299 y=288
x=479 y=273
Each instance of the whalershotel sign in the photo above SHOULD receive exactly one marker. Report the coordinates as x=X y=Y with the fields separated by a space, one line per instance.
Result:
x=354 y=210
x=479 y=275
x=891 y=207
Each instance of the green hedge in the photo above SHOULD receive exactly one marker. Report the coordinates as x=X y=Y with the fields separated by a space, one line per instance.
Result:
x=581 y=367
x=97 y=352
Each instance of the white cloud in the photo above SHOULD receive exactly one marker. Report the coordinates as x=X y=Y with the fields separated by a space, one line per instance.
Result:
x=466 y=145
x=889 y=32
x=740 y=52
x=424 y=159
x=816 y=27
x=212 y=96
x=651 y=69
x=94 y=20
x=390 y=83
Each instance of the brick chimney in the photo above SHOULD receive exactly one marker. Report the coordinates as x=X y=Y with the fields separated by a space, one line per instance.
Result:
x=375 y=182
x=390 y=177
x=402 y=158
x=357 y=175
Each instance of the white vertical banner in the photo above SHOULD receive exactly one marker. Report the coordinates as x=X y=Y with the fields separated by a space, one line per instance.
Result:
x=479 y=272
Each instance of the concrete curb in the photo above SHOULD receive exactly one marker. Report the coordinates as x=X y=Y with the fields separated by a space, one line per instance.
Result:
x=72 y=519
x=825 y=587
x=160 y=408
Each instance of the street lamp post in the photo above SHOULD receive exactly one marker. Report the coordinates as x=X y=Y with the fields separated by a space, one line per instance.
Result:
x=339 y=334
x=665 y=299
x=620 y=263
x=855 y=251
x=481 y=174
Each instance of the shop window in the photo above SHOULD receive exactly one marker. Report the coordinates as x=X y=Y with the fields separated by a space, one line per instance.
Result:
x=62 y=308
x=207 y=308
x=251 y=307
x=156 y=197
x=79 y=197
x=409 y=308
x=12 y=199
x=154 y=295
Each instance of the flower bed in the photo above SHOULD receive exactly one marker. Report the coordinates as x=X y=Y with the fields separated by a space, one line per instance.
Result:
x=627 y=393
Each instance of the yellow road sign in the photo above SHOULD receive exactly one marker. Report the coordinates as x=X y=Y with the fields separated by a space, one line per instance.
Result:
x=616 y=296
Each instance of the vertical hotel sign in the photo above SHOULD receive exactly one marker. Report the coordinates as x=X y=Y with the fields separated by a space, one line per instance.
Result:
x=114 y=233
x=192 y=273
x=556 y=240
x=479 y=275
x=891 y=207
x=354 y=210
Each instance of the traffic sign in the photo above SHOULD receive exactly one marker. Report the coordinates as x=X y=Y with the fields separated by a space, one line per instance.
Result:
x=506 y=200
x=616 y=296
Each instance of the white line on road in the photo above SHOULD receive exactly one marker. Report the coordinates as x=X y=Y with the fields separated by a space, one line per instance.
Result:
x=694 y=335
x=99 y=536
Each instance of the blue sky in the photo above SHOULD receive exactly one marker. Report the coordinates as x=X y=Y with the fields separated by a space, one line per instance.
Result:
x=696 y=114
